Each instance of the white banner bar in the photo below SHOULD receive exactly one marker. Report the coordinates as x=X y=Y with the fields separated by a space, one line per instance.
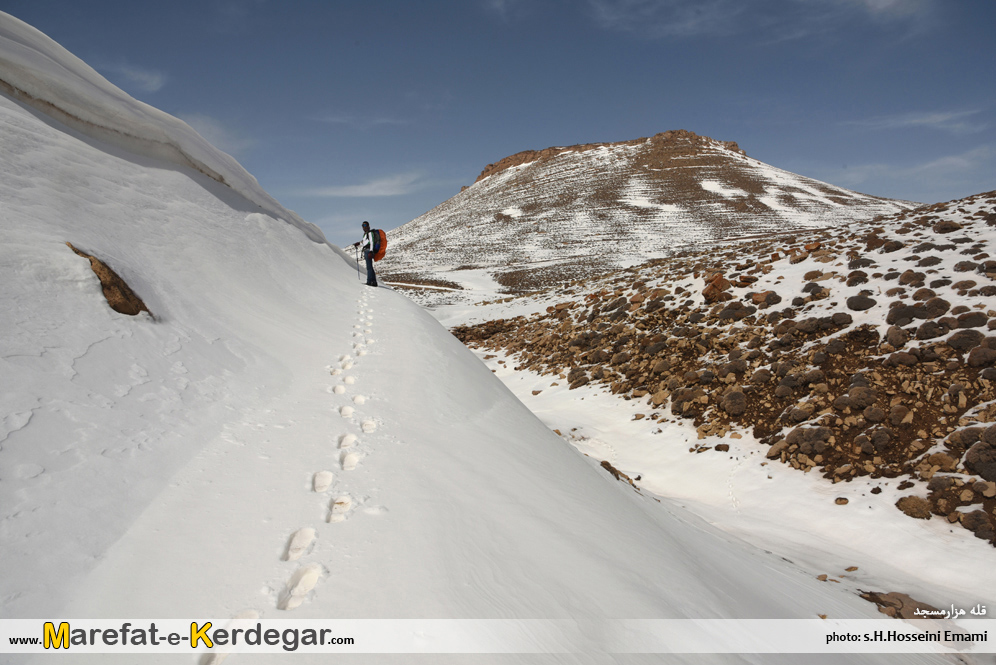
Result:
x=497 y=636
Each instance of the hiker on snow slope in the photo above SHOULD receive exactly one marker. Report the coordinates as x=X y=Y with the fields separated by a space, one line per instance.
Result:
x=368 y=253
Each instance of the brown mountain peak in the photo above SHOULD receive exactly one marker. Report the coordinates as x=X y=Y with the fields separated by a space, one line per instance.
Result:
x=669 y=143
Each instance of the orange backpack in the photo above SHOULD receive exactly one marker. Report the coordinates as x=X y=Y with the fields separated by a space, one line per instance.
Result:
x=379 y=244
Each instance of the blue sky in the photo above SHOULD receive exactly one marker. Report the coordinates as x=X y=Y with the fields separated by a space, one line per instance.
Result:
x=348 y=110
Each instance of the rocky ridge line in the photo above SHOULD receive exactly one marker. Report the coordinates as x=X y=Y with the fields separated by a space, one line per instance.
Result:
x=671 y=139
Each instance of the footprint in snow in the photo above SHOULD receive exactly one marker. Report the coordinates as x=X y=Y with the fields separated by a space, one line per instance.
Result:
x=347 y=441
x=299 y=543
x=344 y=357
x=340 y=506
x=323 y=481
x=338 y=390
x=349 y=380
x=369 y=426
x=347 y=364
x=299 y=585
x=220 y=653
x=359 y=399
x=336 y=371
x=361 y=352
x=346 y=412
x=349 y=460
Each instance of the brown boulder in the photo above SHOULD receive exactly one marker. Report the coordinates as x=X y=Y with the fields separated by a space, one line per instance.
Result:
x=116 y=291
x=661 y=366
x=874 y=414
x=936 y=307
x=964 y=438
x=734 y=403
x=899 y=605
x=857 y=277
x=981 y=356
x=931 y=330
x=946 y=226
x=898 y=415
x=944 y=461
x=981 y=459
x=861 y=397
x=897 y=337
x=860 y=302
x=912 y=277
x=810 y=439
x=972 y=320
x=776 y=450
x=974 y=520
x=963 y=340
x=901 y=358
x=900 y=314
x=915 y=506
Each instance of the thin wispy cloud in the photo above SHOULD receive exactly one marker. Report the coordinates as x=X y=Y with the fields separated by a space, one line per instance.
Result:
x=505 y=9
x=234 y=16
x=407 y=108
x=970 y=171
x=658 y=18
x=395 y=185
x=358 y=122
x=131 y=77
x=218 y=134
x=768 y=20
x=891 y=9
x=953 y=122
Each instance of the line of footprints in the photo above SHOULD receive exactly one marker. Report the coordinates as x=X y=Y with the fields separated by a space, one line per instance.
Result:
x=340 y=506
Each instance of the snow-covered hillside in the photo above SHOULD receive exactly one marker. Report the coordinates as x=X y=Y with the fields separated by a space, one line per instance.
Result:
x=846 y=378
x=277 y=440
x=541 y=217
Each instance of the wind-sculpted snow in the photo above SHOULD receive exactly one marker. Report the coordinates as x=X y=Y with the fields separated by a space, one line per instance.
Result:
x=575 y=211
x=39 y=72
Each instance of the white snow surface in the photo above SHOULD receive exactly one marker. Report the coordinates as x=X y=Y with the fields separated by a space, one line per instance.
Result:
x=38 y=71
x=165 y=465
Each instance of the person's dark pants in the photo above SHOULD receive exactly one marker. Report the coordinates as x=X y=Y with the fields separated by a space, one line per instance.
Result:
x=371 y=277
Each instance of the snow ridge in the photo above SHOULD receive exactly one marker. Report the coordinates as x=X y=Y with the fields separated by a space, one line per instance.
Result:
x=37 y=71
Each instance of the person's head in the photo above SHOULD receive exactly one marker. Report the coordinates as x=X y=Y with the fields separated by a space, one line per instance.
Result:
x=366 y=226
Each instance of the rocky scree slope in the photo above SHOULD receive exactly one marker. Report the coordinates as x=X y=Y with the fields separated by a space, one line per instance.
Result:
x=564 y=213
x=869 y=354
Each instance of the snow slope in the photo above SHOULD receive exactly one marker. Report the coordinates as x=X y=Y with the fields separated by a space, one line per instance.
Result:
x=37 y=71
x=166 y=466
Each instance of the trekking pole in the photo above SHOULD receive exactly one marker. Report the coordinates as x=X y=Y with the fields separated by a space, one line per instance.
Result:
x=356 y=253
